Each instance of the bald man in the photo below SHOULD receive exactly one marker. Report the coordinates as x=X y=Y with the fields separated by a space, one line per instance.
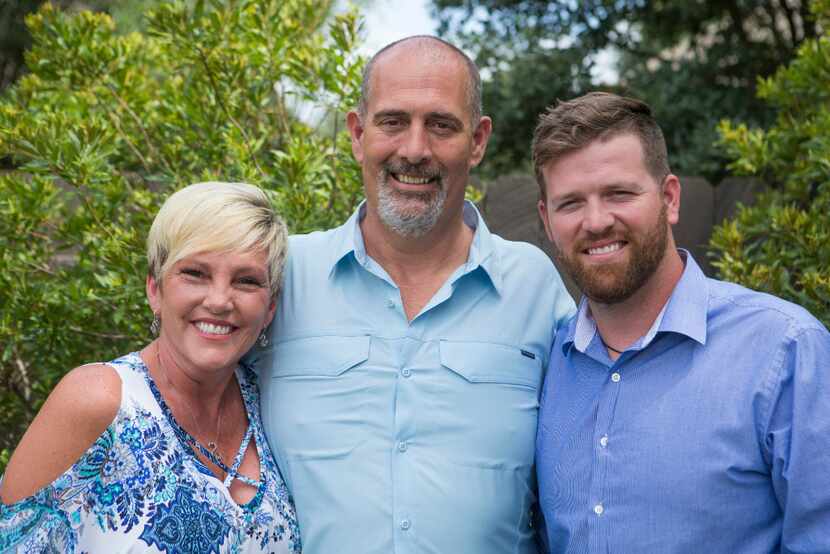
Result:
x=400 y=390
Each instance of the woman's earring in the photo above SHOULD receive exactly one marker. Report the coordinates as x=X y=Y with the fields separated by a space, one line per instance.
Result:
x=263 y=339
x=155 y=326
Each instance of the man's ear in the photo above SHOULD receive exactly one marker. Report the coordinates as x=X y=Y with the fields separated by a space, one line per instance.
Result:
x=481 y=134
x=542 y=206
x=355 y=125
x=671 y=197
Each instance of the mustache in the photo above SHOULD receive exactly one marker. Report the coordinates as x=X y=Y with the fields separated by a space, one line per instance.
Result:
x=423 y=171
x=591 y=238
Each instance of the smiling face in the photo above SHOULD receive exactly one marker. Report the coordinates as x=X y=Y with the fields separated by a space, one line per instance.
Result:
x=608 y=218
x=415 y=142
x=212 y=306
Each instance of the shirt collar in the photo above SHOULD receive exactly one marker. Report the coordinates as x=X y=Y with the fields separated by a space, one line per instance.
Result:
x=685 y=312
x=349 y=241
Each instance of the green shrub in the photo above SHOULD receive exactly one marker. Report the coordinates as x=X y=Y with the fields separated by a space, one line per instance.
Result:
x=106 y=125
x=781 y=244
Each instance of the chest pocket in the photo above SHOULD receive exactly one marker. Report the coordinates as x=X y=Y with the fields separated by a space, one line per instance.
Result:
x=325 y=356
x=492 y=363
x=314 y=402
x=495 y=400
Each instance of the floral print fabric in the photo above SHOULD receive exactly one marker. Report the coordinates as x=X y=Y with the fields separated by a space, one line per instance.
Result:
x=139 y=488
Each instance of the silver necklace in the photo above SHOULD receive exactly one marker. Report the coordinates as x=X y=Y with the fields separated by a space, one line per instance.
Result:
x=212 y=446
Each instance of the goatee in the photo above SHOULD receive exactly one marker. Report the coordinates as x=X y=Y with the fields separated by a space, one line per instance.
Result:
x=410 y=214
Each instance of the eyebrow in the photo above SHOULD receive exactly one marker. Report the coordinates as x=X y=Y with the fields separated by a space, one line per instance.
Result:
x=390 y=113
x=631 y=185
x=247 y=268
x=634 y=186
x=448 y=116
x=556 y=200
x=623 y=184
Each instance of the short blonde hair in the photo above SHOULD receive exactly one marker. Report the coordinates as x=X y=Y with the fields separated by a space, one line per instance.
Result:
x=217 y=217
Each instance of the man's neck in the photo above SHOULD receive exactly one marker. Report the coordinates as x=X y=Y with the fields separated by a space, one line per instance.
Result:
x=419 y=266
x=623 y=323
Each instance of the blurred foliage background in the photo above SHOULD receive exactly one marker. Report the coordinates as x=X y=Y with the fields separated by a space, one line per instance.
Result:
x=781 y=244
x=110 y=105
x=740 y=87
x=693 y=62
x=107 y=121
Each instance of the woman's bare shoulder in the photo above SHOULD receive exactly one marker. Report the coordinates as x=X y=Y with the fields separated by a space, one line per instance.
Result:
x=76 y=413
x=97 y=387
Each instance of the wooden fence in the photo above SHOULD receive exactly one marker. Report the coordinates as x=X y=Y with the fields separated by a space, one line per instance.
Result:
x=509 y=207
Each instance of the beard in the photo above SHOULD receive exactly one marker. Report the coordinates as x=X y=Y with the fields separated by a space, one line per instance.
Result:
x=617 y=282
x=410 y=214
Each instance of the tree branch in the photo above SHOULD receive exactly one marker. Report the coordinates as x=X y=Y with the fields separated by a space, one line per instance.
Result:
x=26 y=394
x=117 y=122
x=110 y=336
x=215 y=86
x=333 y=162
x=773 y=26
x=789 y=13
x=738 y=22
x=808 y=24
x=137 y=120
x=37 y=267
x=618 y=41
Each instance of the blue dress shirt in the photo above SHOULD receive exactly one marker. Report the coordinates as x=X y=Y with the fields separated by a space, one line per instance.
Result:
x=710 y=434
x=400 y=437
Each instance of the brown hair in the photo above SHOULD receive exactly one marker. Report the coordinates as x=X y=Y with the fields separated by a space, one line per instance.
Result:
x=572 y=125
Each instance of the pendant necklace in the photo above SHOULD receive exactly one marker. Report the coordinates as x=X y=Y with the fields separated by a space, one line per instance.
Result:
x=212 y=446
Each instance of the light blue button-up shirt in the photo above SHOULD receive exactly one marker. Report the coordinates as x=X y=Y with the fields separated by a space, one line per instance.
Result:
x=710 y=434
x=400 y=437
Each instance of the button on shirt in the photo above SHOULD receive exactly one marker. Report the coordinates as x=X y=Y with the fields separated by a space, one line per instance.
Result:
x=710 y=434
x=400 y=437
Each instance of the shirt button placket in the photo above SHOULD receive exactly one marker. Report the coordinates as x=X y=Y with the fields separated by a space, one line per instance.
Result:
x=601 y=462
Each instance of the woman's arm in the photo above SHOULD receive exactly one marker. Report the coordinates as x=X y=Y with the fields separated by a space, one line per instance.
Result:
x=74 y=415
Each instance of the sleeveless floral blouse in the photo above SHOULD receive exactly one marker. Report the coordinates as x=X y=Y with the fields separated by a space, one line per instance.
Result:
x=139 y=488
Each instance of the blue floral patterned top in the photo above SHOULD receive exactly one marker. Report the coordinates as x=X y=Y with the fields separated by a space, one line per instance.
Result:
x=139 y=488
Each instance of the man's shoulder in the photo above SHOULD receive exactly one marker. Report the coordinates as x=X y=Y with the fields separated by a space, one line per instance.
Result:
x=314 y=246
x=511 y=252
x=526 y=269
x=762 y=308
x=315 y=239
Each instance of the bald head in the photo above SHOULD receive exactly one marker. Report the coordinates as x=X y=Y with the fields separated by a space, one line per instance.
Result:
x=435 y=50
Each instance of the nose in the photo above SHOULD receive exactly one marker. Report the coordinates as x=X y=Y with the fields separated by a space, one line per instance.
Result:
x=597 y=218
x=218 y=298
x=414 y=146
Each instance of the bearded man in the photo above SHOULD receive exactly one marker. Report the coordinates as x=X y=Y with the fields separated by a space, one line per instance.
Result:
x=400 y=391
x=681 y=414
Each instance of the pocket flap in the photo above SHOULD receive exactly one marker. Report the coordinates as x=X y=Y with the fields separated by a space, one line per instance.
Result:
x=325 y=355
x=481 y=362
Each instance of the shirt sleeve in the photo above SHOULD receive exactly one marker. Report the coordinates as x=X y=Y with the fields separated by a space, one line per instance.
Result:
x=797 y=441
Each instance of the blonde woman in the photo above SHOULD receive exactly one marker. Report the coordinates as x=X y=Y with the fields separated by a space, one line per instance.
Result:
x=162 y=450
